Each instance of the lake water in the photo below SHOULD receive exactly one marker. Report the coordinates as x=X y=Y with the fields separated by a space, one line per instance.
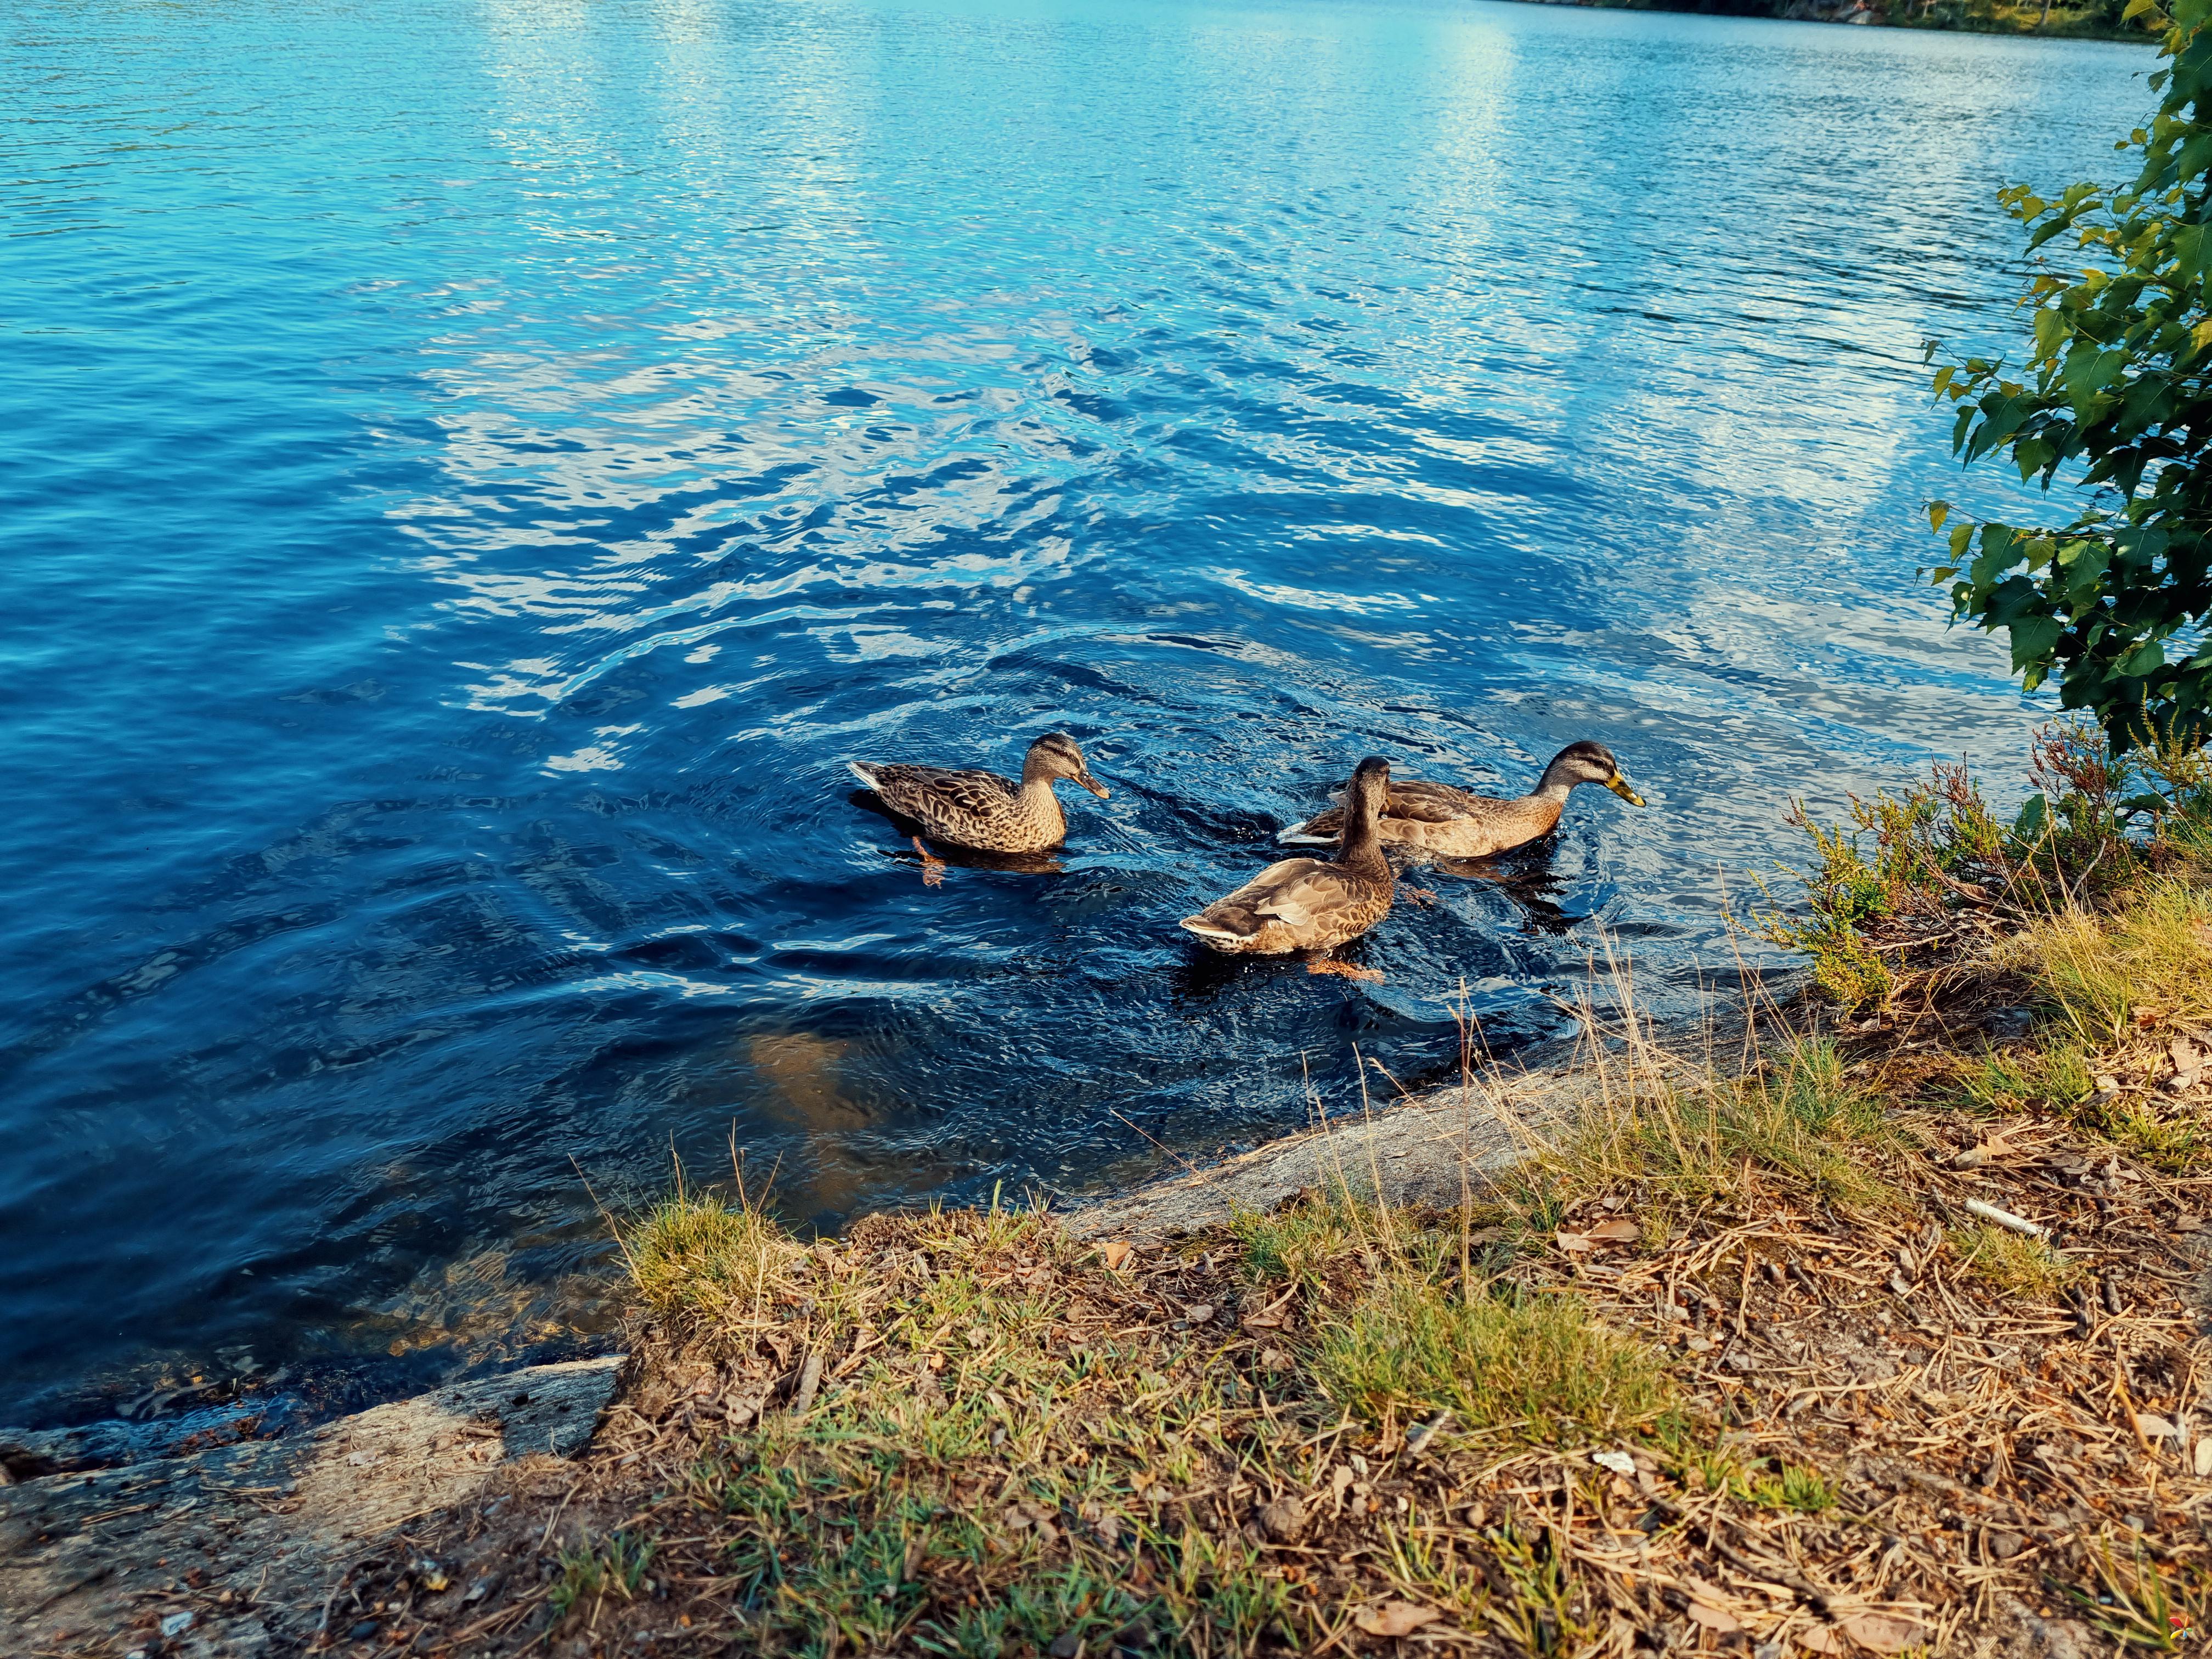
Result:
x=471 y=472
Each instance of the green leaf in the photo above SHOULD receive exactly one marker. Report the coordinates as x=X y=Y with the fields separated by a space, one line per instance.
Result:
x=2145 y=659
x=1937 y=512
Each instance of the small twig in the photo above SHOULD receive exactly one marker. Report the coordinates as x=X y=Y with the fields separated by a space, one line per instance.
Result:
x=2006 y=1218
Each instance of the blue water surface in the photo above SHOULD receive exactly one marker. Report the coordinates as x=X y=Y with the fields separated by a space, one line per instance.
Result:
x=471 y=472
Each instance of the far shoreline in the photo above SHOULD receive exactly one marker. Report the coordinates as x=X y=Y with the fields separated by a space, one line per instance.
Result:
x=2030 y=22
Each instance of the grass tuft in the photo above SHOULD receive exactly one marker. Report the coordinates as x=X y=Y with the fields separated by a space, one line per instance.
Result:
x=1797 y=1124
x=2013 y=1263
x=701 y=1254
x=1532 y=1367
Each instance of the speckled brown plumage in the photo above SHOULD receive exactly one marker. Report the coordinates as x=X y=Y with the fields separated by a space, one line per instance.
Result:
x=982 y=809
x=1305 y=903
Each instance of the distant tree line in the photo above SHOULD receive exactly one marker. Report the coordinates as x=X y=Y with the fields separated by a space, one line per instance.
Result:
x=2101 y=19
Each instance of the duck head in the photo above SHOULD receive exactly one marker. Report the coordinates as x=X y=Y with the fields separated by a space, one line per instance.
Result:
x=1054 y=755
x=1370 y=788
x=1587 y=762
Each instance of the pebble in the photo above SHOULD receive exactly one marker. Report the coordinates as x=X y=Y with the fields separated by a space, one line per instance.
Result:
x=363 y=1631
x=1283 y=1518
x=1201 y=1314
x=1065 y=1645
x=176 y=1624
x=2005 y=1544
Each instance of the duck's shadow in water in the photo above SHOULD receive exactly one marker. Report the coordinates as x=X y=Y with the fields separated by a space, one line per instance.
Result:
x=1203 y=974
x=1525 y=877
x=932 y=856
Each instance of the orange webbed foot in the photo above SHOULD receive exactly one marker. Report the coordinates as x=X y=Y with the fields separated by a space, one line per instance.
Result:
x=1345 y=969
x=932 y=867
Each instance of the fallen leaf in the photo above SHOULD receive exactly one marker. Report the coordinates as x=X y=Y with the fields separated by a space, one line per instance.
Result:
x=1819 y=1640
x=1395 y=1619
x=2152 y=1427
x=1263 y=1321
x=1880 y=1632
x=1200 y=1314
x=1617 y=1232
x=1619 y=1461
x=1114 y=1251
x=1718 y=1620
x=1574 y=1242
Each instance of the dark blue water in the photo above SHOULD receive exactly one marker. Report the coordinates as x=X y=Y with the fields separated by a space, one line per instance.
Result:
x=472 y=474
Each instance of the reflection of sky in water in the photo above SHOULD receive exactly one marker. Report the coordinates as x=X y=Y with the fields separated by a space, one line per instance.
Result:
x=538 y=444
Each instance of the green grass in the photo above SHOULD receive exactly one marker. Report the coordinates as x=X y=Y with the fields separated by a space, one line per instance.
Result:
x=616 y=1568
x=1685 y=1139
x=703 y=1256
x=1535 y=1367
x=2013 y=1262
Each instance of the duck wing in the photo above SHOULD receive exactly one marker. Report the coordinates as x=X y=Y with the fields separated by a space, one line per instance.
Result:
x=1310 y=901
x=1434 y=803
x=939 y=795
x=1411 y=801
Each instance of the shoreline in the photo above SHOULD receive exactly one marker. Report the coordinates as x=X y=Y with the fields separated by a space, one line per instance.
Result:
x=90 y=1536
x=1862 y=1322
x=1854 y=13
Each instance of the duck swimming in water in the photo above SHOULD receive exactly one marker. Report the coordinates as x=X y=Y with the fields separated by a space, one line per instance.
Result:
x=1311 y=905
x=1457 y=823
x=982 y=810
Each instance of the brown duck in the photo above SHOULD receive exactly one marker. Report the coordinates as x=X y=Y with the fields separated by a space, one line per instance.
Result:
x=1457 y=823
x=982 y=810
x=1311 y=905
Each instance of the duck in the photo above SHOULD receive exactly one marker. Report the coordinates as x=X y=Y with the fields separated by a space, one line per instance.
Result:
x=982 y=809
x=1458 y=823
x=1306 y=904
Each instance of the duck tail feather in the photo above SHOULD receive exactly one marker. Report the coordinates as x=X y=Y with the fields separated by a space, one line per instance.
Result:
x=1206 y=928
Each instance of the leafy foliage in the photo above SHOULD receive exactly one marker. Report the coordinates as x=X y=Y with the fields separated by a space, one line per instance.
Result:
x=2118 y=381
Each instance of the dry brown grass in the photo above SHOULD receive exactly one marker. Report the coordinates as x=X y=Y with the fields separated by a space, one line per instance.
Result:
x=970 y=1434
x=1727 y=1363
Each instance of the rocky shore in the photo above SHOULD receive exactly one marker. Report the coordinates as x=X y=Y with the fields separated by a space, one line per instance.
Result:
x=244 y=1549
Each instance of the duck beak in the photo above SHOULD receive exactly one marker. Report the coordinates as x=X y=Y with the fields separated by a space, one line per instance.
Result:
x=1618 y=785
x=1091 y=784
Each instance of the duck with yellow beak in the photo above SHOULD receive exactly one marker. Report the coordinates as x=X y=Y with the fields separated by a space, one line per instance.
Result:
x=1458 y=823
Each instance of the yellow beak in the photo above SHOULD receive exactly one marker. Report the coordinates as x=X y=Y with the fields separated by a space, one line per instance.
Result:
x=1618 y=785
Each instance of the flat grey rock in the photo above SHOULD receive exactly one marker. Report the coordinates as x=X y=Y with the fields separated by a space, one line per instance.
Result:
x=1414 y=1152
x=270 y=1522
